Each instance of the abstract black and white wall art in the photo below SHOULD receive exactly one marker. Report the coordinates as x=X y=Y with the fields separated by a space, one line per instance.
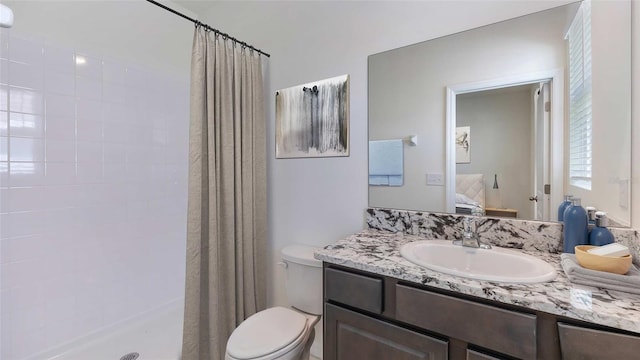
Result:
x=312 y=120
x=463 y=145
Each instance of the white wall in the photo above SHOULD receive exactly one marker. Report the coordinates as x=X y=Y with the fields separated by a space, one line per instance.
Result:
x=317 y=201
x=93 y=165
x=509 y=155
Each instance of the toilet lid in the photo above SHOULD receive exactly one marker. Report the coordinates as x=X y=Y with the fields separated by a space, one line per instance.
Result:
x=266 y=332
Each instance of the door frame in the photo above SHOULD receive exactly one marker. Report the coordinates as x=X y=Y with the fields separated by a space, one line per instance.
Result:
x=538 y=96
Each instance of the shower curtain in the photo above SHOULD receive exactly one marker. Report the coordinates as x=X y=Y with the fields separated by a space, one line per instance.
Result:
x=226 y=231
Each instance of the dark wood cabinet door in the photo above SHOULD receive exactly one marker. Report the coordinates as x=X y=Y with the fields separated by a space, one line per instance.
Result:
x=504 y=331
x=583 y=344
x=351 y=336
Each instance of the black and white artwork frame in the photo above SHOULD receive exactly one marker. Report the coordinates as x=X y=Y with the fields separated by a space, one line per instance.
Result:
x=312 y=120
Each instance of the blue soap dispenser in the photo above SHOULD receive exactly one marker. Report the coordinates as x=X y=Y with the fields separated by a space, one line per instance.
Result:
x=600 y=235
x=575 y=231
x=563 y=207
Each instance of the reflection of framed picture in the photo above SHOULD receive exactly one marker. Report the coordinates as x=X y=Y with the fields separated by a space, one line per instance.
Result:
x=463 y=144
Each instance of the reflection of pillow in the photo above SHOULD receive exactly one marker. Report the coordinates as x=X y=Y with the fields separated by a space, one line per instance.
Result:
x=463 y=199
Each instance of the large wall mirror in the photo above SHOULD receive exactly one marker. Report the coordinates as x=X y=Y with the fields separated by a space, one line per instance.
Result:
x=505 y=119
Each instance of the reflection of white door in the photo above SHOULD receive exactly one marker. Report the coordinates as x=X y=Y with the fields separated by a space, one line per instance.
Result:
x=542 y=110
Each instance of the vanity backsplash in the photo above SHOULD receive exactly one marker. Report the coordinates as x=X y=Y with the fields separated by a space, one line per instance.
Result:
x=504 y=232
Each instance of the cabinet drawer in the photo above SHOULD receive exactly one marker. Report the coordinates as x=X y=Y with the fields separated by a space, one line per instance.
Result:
x=360 y=291
x=476 y=355
x=583 y=343
x=350 y=335
x=474 y=323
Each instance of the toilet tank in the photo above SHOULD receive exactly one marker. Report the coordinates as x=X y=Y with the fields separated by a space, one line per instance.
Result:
x=303 y=278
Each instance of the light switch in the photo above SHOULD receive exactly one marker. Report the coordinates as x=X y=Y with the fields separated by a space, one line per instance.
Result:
x=435 y=179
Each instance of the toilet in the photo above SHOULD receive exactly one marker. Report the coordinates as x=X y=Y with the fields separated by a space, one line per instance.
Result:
x=279 y=332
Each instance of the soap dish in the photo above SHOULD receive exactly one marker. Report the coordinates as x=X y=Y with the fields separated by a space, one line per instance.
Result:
x=613 y=264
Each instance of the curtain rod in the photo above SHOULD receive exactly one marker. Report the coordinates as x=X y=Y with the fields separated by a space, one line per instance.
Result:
x=198 y=23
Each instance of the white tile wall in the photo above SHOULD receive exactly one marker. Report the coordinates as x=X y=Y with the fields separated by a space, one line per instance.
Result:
x=93 y=169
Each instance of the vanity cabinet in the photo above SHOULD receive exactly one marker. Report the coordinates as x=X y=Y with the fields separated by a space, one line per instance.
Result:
x=375 y=317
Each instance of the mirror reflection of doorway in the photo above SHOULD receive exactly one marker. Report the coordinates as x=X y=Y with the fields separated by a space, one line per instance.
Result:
x=509 y=131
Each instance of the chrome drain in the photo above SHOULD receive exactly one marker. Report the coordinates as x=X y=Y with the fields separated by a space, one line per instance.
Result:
x=130 y=356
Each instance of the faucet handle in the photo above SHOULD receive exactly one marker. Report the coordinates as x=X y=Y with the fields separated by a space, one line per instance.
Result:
x=469 y=226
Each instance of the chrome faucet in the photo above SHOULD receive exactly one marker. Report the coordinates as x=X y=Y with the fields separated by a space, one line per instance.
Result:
x=470 y=236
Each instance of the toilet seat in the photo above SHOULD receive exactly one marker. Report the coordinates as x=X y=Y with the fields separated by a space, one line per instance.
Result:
x=268 y=334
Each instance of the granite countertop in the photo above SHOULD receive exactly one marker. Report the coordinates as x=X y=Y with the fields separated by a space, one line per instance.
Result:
x=378 y=252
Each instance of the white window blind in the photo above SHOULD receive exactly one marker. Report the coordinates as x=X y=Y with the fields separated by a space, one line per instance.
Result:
x=580 y=129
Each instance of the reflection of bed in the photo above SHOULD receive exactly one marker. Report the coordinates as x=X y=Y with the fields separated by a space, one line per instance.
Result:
x=470 y=194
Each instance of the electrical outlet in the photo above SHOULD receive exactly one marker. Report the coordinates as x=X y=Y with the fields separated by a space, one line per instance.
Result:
x=435 y=179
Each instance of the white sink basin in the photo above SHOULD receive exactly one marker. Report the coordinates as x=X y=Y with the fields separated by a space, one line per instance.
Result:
x=496 y=264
